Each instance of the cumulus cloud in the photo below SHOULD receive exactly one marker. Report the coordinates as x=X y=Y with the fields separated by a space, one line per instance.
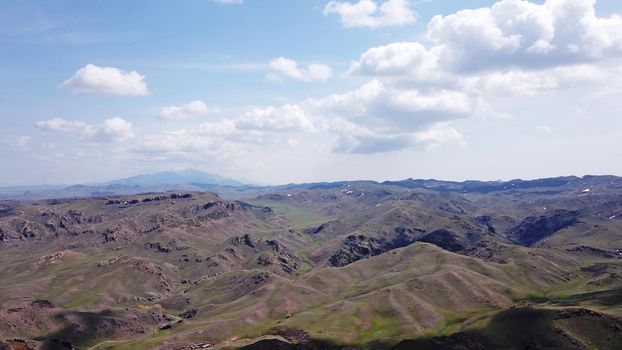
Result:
x=399 y=58
x=188 y=110
x=521 y=33
x=219 y=140
x=285 y=67
x=368 y=13
x=110 y=129
x=285 y=118
x=257 y=127
x=62 y=125
x=438 y=134
x=117 y=128
x=106 y=81
x=514 y=45
x=375 y=103
x=355 y=138
x=377 y=117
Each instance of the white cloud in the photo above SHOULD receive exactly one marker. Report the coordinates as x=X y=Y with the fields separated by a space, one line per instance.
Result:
x=188 y=110
x=111 y=129
x=117 y=128
x=269 y=126
x=376 y=103
x=379 y=117
x=289 y=68
x=367 y=13
x=21 y=142
x=512 y=46
x=399 y=58
x=521 y=33
x=531 y=82
x=106 y=81
x=62 y=125
x=285 y=118
x=438 y=134
x=229 y=2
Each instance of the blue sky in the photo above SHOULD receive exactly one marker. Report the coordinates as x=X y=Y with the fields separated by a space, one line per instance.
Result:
x=278 y=91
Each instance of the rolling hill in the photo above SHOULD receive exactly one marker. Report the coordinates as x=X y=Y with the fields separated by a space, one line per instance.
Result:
x=410 y=264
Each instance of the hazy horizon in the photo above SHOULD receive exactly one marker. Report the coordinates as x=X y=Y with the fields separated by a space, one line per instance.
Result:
x=251 y=183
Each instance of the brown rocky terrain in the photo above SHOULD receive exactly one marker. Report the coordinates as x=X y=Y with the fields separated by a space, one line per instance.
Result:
x=343 y=265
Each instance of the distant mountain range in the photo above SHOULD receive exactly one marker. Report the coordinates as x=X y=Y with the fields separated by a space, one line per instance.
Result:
x=183 y=177
x=189 y=179
x=195 y=180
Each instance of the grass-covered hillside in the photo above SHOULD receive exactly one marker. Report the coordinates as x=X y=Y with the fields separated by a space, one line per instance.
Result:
x=407 y=265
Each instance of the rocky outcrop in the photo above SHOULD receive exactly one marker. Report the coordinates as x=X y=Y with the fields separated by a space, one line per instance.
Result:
x=280 y=256
x=445 y=239
x=149 y=199
x=333 y=227
x=248 y=240
x=189 y=314
x=356 y=247
x=158 y=247
x=535 y=228
x=216 y=210
x=118 y=234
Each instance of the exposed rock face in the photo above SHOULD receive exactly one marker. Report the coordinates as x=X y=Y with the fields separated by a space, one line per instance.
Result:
x=356 y=247
x=445 y=239
x=148 y=199
x=280 y=256
x=260 y=277
x=116 y=234
x=598 y=252
x=189 y=314
x=220 y=209
x=247 y=239
x=486 y=220
x=487 y=251
x=158 y=247
x=533 y=229
x=54 y=258
x=330 y=227
x=19 y=344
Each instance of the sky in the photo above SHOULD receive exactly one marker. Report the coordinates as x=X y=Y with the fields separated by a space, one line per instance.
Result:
x=282 y=91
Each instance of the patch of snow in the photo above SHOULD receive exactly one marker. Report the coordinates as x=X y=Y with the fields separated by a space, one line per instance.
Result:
x=289 y=195
x=612 y=217
x=586 y=190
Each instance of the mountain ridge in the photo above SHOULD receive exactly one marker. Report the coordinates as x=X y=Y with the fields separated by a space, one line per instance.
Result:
x=170 y=270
